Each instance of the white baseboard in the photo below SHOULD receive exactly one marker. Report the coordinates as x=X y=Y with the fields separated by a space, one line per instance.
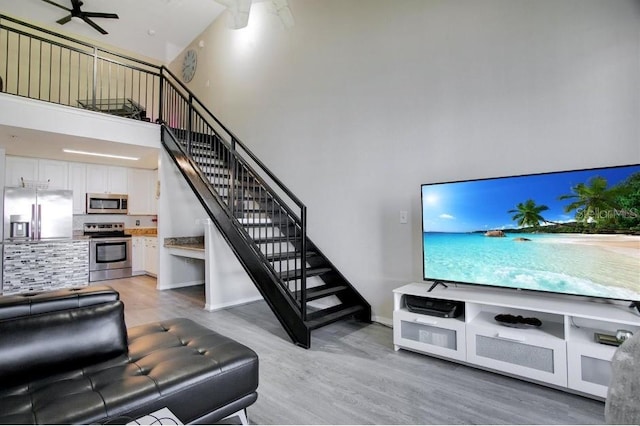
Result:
x=180 y=285
x=218 y=306
x=382 y=320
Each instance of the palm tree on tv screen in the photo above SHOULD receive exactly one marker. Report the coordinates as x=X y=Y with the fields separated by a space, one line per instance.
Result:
x=591 y=198
x=528 y=214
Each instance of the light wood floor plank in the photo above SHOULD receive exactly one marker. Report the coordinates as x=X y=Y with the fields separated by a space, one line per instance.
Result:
x=352 y=375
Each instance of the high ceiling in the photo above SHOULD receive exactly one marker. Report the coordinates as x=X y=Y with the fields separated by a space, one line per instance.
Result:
x=158 y=29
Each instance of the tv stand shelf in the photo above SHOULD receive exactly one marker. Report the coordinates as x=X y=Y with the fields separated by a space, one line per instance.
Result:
x=562 y=352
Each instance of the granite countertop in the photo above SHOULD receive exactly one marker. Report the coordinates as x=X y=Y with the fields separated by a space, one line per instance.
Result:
x=145 y=232
x=189 y=243
x=75 y=239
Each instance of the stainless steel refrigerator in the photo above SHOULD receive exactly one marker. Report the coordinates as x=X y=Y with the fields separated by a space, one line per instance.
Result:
x=37 y=214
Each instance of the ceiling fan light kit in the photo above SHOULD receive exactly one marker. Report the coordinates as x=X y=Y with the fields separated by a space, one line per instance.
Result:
x=77 y=13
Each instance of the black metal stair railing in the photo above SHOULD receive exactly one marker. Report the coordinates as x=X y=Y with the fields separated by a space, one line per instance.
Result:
x=273 y=221
x=287 y=312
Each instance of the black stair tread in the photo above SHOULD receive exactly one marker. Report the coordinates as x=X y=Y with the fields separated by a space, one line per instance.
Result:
x=240 y=212
x=321 y=291
x=217 y=175
x=284 y=239
x=288 y=255
x=297 y=273
x=335 y=313
x=269 y=224
x=262 y=198
x=238 y=185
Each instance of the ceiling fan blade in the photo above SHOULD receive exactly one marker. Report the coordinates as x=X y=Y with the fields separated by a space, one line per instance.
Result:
x=94 y=25
x=57 y=5
x=100 y=15
x=64 y=20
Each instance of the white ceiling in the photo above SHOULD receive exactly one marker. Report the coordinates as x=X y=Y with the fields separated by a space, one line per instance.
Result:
x=34 y=143
x=174 y=23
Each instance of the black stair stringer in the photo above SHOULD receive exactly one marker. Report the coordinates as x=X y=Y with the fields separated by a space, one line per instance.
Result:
x=287 y=313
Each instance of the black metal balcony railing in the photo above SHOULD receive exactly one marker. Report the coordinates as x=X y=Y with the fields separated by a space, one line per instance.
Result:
x=40 y=64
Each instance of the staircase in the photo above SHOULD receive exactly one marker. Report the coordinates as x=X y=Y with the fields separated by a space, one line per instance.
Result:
x=263 y=222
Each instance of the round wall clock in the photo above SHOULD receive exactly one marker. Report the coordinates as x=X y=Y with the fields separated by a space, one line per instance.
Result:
x=189 y=65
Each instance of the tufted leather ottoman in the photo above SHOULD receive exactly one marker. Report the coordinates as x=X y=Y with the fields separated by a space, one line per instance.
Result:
x=200 y=375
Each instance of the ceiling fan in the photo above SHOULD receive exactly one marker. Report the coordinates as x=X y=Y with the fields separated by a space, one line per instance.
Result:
x=75 y=12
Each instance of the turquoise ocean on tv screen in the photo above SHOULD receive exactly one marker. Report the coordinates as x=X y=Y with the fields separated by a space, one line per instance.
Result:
x=549 y=262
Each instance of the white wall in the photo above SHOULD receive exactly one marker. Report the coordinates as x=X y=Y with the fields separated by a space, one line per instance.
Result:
x=362 y=101
x=180 y=214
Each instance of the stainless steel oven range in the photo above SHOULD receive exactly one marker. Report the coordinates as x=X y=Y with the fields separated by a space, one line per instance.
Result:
x=109 y=251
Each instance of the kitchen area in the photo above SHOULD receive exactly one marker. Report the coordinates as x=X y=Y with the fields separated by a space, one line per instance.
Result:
x=51 y=147
x=69 y=224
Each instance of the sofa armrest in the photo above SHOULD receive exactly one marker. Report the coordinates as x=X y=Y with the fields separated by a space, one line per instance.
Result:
x=41 y=345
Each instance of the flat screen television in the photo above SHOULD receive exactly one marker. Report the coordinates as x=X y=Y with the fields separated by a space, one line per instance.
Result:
x=572 y=232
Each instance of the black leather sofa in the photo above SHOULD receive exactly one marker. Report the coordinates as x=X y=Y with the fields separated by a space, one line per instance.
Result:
x=67 y=357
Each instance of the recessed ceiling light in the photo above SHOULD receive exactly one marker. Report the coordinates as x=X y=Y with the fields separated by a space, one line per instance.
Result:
x=151 y=32
x=98 y=154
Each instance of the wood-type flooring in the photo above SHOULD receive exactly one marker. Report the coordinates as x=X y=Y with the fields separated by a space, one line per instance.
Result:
x=352 y=375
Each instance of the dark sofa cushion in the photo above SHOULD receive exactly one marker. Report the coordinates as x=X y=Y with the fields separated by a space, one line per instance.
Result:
x=38 y=345
x=179 y=364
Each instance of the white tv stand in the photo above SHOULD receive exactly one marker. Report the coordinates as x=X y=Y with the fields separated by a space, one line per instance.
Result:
x=561 y=353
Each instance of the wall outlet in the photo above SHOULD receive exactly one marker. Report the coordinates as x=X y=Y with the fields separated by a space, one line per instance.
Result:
x=404 y=216
x=137 y=222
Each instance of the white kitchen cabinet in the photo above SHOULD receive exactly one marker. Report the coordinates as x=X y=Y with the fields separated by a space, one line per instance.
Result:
x=103 y=179
x=117 y=180
x=137 y=255
x=54 y=172
x=77 y=182
x=151 y=255
x=142 y=192
x=18 y=168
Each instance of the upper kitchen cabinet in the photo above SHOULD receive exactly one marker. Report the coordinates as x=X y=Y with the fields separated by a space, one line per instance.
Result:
x=78 y=184
x=106 y=179
x=51 y=173
x=142 y=192
x=54 y=172
x=19 y=168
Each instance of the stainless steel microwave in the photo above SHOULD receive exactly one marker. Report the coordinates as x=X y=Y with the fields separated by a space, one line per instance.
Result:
x=107 y=204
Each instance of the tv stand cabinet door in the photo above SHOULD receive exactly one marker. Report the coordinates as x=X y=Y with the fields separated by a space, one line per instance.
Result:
x=515 y=352
x=431 y=335
x=589 y=367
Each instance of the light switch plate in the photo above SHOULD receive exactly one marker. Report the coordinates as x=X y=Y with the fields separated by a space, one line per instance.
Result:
x=404 y=216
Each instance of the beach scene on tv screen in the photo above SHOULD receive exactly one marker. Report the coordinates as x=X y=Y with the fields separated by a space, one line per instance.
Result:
x=573 y=232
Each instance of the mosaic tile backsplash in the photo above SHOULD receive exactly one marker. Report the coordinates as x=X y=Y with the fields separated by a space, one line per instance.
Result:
x=42 y=266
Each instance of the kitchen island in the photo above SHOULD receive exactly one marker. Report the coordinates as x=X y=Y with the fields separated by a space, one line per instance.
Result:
x=32 y=266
